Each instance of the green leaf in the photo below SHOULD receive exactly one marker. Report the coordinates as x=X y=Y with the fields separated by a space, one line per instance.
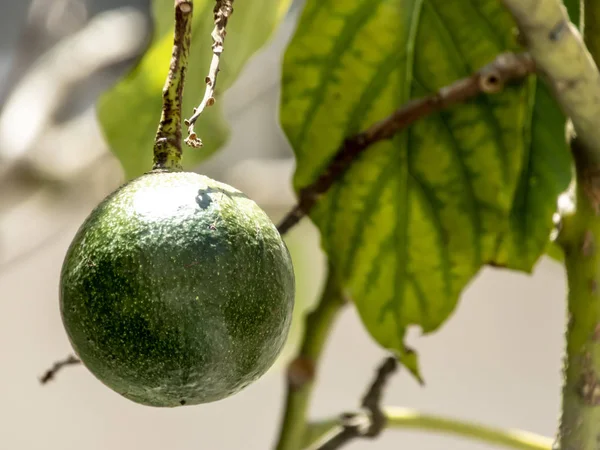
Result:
x=556 y=253
x=129 y=112
x=544 y=175
x=415 y=218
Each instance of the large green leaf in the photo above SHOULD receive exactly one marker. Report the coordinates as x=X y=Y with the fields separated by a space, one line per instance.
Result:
x=415 y=218
x=129 y=113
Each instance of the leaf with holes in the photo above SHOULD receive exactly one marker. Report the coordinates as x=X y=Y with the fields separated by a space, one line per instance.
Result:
x=415 y=218
x=130 y=111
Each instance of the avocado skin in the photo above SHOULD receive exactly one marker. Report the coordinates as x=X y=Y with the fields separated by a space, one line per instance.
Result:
x=177 y=290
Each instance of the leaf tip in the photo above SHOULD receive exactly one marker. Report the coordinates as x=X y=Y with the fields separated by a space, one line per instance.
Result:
x=410 y=360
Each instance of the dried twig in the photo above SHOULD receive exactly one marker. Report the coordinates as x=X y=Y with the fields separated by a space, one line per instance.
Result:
x=222 y=11
x=489 y=79
x=361 y=425
x=57 y=366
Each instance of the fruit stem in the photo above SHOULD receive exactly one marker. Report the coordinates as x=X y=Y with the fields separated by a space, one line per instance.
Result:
x=167 y=143
x=301 y=372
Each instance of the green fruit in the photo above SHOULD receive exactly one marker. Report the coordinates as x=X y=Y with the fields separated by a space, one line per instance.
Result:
x=177 y=289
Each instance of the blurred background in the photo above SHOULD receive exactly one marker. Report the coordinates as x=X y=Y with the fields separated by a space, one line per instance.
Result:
x=496 y=361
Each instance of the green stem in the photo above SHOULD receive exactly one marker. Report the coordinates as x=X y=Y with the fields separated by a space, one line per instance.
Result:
x=302 y=370
x=408 y=419
x=580 y=419
x=167 y=143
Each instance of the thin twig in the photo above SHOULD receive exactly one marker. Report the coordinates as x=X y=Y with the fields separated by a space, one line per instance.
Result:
x=372 y=399
x=359 y=425
x=57 y=367
x=222 y=11
x=490 y=79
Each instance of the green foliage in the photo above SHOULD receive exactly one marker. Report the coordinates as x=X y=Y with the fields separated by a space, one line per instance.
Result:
x=415 y=218
x=129 y=112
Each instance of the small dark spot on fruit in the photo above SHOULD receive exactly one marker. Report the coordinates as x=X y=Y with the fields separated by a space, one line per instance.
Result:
x=182 y=402
x=203 y=200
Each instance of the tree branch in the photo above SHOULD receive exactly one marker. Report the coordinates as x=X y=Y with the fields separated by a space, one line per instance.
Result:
x=408 y=419
x=361 y=425
x=222 y=11
x=301 y=371
x=167 y=144
x=489 y=79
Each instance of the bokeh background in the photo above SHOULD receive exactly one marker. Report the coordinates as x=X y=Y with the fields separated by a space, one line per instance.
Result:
x=497 y=360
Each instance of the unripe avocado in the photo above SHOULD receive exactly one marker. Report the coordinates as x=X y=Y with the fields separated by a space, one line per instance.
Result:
x=177 y=290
